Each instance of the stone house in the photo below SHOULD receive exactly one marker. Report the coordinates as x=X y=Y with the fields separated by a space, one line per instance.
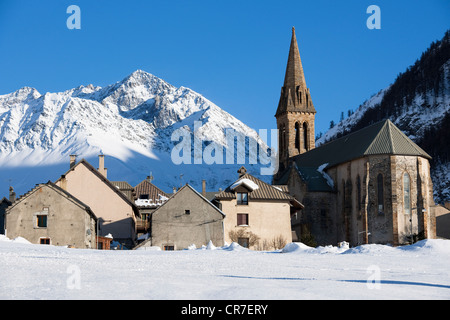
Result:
x=258 y=215
x=371 y=186
x=116 y=213
x=48 y=214
x=186 y=219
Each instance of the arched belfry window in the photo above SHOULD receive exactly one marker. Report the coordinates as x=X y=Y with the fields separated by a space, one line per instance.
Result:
x=380 y=193
x=305 y=135
x=406 y=193
x=297 y=136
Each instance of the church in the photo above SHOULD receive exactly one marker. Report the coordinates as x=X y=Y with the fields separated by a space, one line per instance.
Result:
x=370 y=186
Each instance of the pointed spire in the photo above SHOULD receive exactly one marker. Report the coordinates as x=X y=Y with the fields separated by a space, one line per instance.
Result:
x=294 y=71
x=295 y=95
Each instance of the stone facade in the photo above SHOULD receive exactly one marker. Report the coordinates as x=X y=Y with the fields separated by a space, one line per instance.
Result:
x=48 y=215
x=296 y=134
x=295 y=113
x=186 y=219
x=373 y=202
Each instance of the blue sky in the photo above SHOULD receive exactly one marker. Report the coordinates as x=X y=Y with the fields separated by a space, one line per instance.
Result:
x=232 y=52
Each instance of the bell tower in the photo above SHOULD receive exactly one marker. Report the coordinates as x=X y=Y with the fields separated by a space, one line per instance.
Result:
x=295 y=113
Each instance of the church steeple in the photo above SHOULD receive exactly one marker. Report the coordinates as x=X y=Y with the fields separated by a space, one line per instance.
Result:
x=294 y=94
x=294 y=70
x=295 y=113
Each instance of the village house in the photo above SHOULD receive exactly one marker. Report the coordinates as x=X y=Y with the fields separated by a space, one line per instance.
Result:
x=185 y=219
x=47 y=214
x=148 y=198
x=371 y=186
x=258 y=215
x=116 y=213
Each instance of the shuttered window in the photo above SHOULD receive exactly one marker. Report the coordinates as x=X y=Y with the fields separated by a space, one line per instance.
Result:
x=242 y=219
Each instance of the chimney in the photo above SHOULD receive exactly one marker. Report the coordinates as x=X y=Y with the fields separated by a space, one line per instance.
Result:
x=63 y=182
x=204 y=187
x=174 y=190
x=242 y=171
x=12 y=195
x=73 y=160
x=101 y=165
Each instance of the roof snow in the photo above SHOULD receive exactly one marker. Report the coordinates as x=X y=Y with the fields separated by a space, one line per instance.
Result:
x=246 y=182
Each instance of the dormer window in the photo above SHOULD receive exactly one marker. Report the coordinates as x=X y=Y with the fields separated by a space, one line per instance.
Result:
x=242 y=198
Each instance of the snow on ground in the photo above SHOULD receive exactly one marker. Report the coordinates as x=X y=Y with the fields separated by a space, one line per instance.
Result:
x=419 y=271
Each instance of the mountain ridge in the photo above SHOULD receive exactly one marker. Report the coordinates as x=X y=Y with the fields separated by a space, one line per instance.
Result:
x=131 y=119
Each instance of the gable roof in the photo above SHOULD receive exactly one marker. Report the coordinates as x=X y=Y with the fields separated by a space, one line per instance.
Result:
x=146 y=187
x=196 y=192
x=58 y=190
x=380 y=138
x=264 y=191
x=105 y=181
x=125 y=188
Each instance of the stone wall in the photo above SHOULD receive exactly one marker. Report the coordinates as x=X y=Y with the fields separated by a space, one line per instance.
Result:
x=368 y=205
x=289 y=147
x=67 y=223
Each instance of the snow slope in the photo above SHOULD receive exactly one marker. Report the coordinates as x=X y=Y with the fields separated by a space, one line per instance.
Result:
x=131 y=122
x=419 y=271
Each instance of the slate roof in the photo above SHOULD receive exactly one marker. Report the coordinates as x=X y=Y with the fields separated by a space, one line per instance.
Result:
x=146 y=187
x=263 y=192
x=126 y=188
x=380 y=138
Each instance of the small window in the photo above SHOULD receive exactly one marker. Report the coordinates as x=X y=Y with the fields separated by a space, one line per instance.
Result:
x=187 y=211
x=407 y=193
x=44 y=241
x=242 y=198
x=144 y=197
x=169 y=248
x=41 y=221
x=297 y=136
x=242 y=219
x=380 y=193
x=305 y=132
x=243 y=242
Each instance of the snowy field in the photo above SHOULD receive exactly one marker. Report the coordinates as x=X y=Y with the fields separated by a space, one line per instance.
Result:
x=419 y=271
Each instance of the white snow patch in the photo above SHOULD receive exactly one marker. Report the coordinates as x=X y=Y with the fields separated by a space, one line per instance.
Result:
x=330 y=181
x=419 y=271
x=246 y=182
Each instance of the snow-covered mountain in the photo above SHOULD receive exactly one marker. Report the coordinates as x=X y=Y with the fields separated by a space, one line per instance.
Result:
x=131 y=122
x=418 y=102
